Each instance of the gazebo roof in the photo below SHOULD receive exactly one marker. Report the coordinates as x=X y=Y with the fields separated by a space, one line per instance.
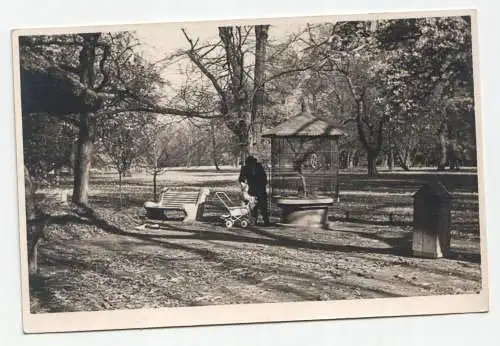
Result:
x=305 y=125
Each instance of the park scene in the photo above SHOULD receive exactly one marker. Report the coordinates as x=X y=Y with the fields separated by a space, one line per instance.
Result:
x=204 y=165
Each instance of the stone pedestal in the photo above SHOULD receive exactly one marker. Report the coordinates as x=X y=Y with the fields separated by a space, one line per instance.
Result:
x=304 y=212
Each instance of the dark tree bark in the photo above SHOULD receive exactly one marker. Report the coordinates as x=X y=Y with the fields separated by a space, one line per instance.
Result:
x=239 y=117
x=390 y=154
x=244 y=112
x=403 y=161
x=452 y=148
x=82 y=162
x=390 y=160
x=120 y=174
x=261 y=35
x=369 y=128
x=366 y=133
x=214 y=146
x=350 y=159
x=371 y=157
x=155 y=194
x=453 y=157
x=84 y=142
x=443 y=143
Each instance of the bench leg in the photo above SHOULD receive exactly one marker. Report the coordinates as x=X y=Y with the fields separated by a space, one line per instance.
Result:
x=191 y=213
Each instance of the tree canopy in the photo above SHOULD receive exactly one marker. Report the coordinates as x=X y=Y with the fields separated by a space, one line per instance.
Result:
x=402 y=89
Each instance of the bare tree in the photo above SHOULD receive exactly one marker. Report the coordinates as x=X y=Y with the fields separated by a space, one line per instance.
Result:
x=155 y=151
x=121 y=140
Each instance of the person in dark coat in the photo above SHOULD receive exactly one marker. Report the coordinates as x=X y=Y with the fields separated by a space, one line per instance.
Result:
x=254 y=174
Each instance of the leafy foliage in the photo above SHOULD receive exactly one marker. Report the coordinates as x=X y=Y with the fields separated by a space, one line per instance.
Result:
x=121 y=139
x=47 y=145
x=402 y=89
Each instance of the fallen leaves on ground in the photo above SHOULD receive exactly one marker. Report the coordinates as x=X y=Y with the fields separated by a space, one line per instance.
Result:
x=85 y=267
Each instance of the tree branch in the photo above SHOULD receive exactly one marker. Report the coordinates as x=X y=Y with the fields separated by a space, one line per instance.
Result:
x=163 y=111
x=105 y=73
x=193 y=56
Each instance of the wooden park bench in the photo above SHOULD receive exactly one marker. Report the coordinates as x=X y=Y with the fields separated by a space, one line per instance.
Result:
x=188 y=202
x=55 y=196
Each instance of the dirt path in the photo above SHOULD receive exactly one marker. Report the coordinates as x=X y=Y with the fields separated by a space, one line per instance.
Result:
x=203 y=264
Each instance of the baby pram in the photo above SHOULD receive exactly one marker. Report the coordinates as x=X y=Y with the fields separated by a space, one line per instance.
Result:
x=235 y=213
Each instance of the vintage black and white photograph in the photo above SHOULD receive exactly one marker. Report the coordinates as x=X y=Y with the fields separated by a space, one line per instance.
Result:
x=299 y=160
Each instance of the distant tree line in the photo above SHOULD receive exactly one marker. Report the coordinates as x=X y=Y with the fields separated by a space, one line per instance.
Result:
x=401 y=89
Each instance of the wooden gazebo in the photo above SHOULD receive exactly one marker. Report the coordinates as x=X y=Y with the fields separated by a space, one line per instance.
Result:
x=304 y=177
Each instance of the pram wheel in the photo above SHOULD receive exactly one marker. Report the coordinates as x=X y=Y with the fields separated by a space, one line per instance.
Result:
x=244 y=223
x=229 y=223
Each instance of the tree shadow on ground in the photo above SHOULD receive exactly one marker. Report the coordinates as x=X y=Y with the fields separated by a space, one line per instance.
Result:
x=114 y=202
x=220 y=182
x=267 y=237
x=38 y=286
x=458 y=255
x=398 y=246
x=405 y=242
x=393 y=222
x=254 y=274
x=208 y=170
x=408 y=182
x=82 y=266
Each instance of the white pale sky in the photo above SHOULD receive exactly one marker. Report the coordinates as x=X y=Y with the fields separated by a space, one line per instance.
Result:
x=161 y=40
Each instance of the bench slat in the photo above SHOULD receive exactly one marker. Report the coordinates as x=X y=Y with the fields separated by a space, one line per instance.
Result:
x=178 y=198
x=182 y=197
x=191 y=202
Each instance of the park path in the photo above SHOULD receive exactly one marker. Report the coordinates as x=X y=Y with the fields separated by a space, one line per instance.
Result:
x=204 y=264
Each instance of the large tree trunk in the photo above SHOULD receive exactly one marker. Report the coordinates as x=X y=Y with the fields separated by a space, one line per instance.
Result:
x=216 y=163
x=452 y=148
x=82 y=162
x=403 y=160
x=371 y=158
x=155 y=195
x=120 y=188
x=351 y=158
x=390 y=154
x=453 y=156
x=84 y=143
x=443 y=143
x=244 y=144
x=343 y=159
x=370 y=136
x=240 y=114
x=214 y=146
x=384 y=163
x=261 y=34
x=390 y=160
